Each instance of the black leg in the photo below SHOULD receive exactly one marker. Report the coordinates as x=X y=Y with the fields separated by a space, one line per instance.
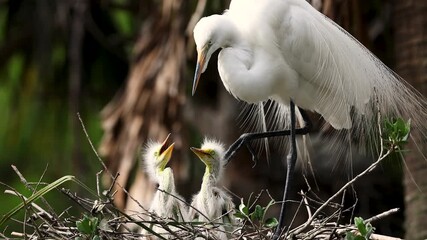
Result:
x=290 y=161
x=246 y=138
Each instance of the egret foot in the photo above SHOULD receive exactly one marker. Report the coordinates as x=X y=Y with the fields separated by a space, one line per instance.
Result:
x=246 y=138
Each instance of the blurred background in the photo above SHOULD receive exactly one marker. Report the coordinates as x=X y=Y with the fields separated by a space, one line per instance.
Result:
x=127 y=66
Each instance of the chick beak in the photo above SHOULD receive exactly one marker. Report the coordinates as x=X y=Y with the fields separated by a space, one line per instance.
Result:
x=201 y=61
x=164 y=144
x=165 y=153
x=203 y=155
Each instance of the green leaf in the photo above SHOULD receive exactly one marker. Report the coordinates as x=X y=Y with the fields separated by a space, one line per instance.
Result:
x=365 y=229
x=271 y=222
x=258 y=213
x=351 y=236
x=87 y=225
x=244 y=209
x=40 y=194
x=360 y=224
x=396 y=132
x=240 y=215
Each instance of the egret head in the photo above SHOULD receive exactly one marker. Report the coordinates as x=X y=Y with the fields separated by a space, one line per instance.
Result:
x=157 y=156
x=210 y=34
x=211 y=153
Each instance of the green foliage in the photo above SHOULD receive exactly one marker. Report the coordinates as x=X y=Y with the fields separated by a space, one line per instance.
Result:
x=88 y=226
x=257 y=215
x=396 y=133
x=41 y=193
x=365 y=230
x=37 y=125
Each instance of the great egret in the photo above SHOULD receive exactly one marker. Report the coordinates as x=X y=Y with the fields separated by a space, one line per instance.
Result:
x=212 y=204
x=288 y=52
x=166 y=203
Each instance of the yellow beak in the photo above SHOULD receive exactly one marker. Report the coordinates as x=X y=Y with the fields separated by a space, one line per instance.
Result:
x=165 y=153
x=201 y=61
x=203 y=155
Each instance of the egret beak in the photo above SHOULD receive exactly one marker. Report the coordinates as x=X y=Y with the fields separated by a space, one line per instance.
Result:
x=203 y=155
x=201 y=61
x=165 y=153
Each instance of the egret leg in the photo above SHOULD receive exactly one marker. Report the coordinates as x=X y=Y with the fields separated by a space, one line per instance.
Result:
x=290 y=161
x=246 y=138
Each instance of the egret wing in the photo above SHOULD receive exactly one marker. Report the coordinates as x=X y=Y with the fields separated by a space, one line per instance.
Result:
x=335 y=67
x=345 y=79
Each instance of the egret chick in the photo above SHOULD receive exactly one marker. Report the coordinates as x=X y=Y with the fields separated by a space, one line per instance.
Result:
x=166 y=202
x=212 y=204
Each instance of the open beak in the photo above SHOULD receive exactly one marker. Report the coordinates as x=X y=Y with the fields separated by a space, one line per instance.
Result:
x=201 y=61
x=165 y=152
x=201 y=154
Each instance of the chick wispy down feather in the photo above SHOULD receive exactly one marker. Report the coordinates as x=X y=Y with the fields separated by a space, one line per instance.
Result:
x=150 y=151
x=212 y=205
x=217 y=148
x=167 y=203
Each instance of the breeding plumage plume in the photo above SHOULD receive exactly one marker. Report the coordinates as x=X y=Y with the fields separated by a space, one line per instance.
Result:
x=167 y=204
x=212 y=205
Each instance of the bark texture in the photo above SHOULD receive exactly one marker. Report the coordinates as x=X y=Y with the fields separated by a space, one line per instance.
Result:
x=149 y=107
x=410 y=22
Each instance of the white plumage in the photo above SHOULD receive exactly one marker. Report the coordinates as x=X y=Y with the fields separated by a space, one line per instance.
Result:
x=285 y=49
x=167 y=203
x=212 y=205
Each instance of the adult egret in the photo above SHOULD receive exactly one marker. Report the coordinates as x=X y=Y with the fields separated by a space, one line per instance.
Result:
x=288 y=52
x=166 y=203
x=212 y=204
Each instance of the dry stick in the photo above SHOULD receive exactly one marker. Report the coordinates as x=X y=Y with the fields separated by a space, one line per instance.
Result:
x=369 y=169
x=382 y=156
x=382 y=215
x=25 y=182
x=343 y=229
x=304 y=198
x=293 y=219
x=98 y=191
x=32 y=203
x=339 y=215
x=103 y=164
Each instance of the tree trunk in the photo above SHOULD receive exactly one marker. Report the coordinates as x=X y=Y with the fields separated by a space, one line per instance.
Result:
x=411 y=63
x=150 y=105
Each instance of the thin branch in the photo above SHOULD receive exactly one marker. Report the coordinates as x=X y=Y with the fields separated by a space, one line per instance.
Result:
x=382 y=215
x=366 y=171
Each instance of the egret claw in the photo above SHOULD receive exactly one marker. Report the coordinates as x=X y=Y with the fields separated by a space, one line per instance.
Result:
x=252 y=152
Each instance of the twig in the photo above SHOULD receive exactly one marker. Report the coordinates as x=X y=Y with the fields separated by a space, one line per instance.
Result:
x=339 y=215
x=382 y=215
x=382 y=237
x=25 y=182
x=304 y=198
x=105 y=167
x=382 y=156
x=32 y=204
x=369 y=169
x=98 y=191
